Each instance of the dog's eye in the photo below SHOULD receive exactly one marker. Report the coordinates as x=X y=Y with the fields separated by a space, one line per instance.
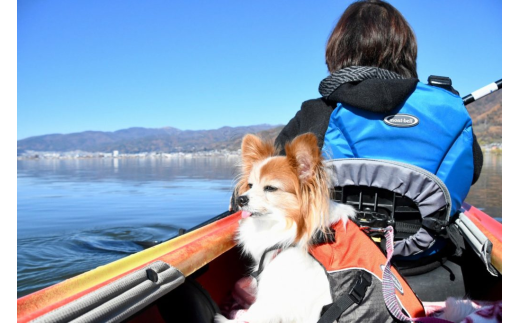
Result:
x=250 y=185
x=269 y=188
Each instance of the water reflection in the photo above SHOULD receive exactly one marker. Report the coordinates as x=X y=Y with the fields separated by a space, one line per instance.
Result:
x=75 y=215
x=486 y=194
x=60 y=196
x=129 y=169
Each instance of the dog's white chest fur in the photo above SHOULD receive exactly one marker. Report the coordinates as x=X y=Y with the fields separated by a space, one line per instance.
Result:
x=293 y=287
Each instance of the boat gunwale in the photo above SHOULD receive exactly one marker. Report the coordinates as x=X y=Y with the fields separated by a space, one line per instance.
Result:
x=187 y=253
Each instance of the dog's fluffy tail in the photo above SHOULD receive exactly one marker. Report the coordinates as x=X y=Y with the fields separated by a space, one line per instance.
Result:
x=340 y=211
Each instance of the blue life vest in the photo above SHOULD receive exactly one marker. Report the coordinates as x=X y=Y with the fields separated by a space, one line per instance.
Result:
x=431 y=129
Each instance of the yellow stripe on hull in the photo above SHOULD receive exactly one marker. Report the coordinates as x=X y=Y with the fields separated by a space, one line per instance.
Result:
x=187 y=253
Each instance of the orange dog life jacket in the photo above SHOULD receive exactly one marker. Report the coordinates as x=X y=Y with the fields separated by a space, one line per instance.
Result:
x=354 y=266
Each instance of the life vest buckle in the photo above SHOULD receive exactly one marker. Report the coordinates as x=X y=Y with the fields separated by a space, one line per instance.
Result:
x=357 y=293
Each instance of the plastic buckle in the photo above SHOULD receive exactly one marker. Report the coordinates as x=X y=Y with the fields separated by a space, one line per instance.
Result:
x=441 y=81
x=373 y=219
x=434 y=224
x=357 y=293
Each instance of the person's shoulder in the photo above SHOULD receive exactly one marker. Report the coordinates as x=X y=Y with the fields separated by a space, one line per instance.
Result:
x=438 y=93
x=319 y=103
x=316 y=111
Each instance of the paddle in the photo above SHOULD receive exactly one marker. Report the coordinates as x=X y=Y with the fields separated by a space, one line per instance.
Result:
x=488 y=89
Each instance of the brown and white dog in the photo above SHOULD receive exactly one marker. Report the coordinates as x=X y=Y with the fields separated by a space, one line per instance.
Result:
x=285 y=202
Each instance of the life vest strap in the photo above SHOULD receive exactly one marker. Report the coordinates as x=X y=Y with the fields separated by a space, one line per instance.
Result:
x=261 y=265
x=333 y=311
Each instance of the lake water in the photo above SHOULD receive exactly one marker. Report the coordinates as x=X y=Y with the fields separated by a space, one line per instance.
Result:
x=76 y=215
x=486 y=193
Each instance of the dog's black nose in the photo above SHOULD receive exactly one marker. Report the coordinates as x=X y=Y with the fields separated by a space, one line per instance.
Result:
x=242 y=200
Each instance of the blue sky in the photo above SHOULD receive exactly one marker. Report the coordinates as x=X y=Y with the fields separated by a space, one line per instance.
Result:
x=110 y=65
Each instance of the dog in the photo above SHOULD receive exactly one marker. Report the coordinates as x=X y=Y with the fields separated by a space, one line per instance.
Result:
x=285 y=203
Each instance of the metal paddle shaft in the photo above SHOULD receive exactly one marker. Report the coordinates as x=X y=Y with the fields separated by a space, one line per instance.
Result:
x=490 y=88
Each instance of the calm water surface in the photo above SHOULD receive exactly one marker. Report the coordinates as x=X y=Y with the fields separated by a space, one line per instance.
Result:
x=76 y=215
x=486 y=193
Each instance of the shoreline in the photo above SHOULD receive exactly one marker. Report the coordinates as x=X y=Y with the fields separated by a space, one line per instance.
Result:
x=41 y=155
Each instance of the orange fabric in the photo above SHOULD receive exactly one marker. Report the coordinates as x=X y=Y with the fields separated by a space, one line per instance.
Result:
x=354 y=249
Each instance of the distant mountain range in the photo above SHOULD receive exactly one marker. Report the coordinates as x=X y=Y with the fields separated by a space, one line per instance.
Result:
x=486 y=114
x=136 y=140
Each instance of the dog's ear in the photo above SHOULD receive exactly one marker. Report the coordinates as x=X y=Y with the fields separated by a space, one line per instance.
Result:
x=304 y=155
x=253 y=150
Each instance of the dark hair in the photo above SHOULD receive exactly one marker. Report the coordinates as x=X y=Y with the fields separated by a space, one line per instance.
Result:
x=373 y=33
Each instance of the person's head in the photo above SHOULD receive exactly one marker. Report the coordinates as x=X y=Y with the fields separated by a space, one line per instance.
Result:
x=372 y=33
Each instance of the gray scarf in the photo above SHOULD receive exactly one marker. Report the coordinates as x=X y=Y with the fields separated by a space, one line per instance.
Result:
x=354 y=74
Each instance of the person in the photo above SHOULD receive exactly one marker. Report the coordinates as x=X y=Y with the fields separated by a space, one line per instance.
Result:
x=371 y=56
